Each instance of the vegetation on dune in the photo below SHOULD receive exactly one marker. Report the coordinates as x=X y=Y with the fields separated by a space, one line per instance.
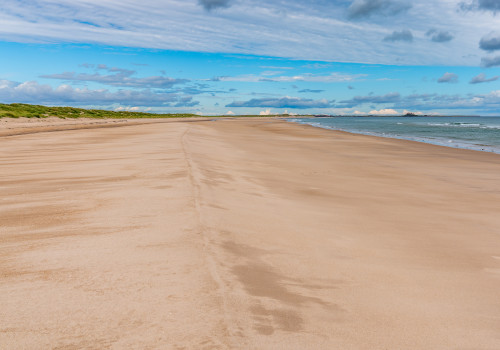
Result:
x=17 y=110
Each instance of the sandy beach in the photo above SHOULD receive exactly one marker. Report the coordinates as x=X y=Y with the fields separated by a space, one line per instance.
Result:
x=243 y=234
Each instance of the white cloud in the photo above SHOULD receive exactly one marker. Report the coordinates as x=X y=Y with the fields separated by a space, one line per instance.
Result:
x=489 y=62
x=283 y=102
x=334 y=77
x=33 y=92
x=130 y=109
x=401 y=35
x=319 y=30
x=391 y=97
x=481 y=78
x=386 y=111
x=210 y=5
x=384 y=8
x=230 y=113
x=448 y=78
x=122 y=77
x=266 y=112
x=439 y=36
x=485 y=103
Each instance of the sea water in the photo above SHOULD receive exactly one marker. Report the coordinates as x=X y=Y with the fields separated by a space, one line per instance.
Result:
x=476 y=133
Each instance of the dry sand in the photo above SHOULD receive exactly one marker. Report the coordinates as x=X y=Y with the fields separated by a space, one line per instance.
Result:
x=245 y=234
x=22 y=126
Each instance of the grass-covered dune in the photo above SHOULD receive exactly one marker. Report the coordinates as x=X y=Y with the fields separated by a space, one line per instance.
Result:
x=18 y=110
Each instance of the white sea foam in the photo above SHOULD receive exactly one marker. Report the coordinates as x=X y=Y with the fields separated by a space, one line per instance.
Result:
x=482 y=134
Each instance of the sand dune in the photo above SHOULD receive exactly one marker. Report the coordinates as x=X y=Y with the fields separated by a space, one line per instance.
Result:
x=245 y=234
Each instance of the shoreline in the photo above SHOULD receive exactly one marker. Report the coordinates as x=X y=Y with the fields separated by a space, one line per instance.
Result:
x=22 y=126
x=249 y=234
x=475 y=147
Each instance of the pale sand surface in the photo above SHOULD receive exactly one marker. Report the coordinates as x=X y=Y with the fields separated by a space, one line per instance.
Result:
x=246 y=234
x=22 y=126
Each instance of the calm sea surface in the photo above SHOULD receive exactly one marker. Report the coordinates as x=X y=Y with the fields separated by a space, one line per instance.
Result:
x=477 y=133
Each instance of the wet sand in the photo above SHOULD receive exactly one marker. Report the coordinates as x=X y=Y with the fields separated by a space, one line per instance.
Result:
x=245 y=234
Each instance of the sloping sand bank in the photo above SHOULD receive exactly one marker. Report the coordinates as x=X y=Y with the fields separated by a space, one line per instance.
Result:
x=246 y=234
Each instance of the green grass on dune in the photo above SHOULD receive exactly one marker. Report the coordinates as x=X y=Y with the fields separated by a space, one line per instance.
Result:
x=17 y=110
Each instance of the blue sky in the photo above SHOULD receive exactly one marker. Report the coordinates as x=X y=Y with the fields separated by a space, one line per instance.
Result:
x=254 y=56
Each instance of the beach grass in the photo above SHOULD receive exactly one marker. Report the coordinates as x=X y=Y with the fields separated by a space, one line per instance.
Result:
x=18 y=110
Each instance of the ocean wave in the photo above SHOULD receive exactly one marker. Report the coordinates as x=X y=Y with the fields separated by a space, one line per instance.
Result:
x=466 y=125
x=456 y=134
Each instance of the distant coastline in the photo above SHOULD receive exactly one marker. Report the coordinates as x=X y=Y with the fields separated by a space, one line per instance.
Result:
x=23 y=110
x=407 y=115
